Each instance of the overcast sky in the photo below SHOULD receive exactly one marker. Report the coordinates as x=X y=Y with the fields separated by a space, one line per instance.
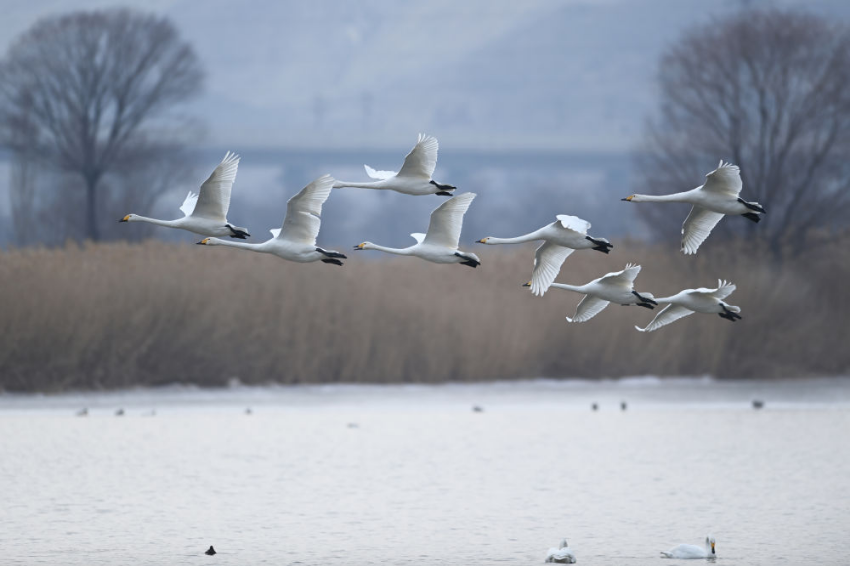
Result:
x=489 y=74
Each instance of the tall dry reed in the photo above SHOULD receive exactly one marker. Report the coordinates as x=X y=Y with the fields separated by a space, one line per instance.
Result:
x=120 y=315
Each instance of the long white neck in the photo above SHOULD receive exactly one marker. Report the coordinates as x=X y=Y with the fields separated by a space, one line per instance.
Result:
x=576 y=288
x=396 y=251
x=518 y=240
x=244 y=245
x=675 y=197
x=158 y=222
x=372 y=185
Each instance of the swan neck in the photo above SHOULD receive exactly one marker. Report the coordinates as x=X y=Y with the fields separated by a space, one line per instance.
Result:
x=576 y=288
x=518 y=240
x=157 y=221
x=396 y=251
x=372 y=185
x=242 y=245
x=675 y=197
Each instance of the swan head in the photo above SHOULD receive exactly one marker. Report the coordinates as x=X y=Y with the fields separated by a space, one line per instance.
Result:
x=365 y=246
x=563 y=544
x=483 y=240
x=130 y=218
x=709 y=543
x=208 y=242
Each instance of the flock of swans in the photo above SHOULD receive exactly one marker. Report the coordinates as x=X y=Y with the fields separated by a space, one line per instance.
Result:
x=565 y=555
x=205 y=213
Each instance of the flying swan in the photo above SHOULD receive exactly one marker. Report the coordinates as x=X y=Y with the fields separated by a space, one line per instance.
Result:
x=684 y=551
x=560 y=239
x=205 y=213
x=296 y=239
x=561 y=555
x=717 y=197
x=690 y=301
x=439 y=245
x=617 y=287
x=414 y=178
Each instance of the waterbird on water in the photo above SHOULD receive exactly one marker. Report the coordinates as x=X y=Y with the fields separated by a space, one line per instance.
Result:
x=758 y=403
x=594 y=407
x=84 y=412
x=210 y=551
x=561 y=555
x=623 y=406
x=686 y=551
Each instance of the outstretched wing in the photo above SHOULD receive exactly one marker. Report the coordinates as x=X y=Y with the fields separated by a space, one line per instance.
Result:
x=625 y=277
x=671 y=313
x=214 y=197
x=724 y=289
x=304 y=211
x=698 y=225
x=547 y=263
x=725 y=179
x=419 y=237
x=189 y=204
x=589 y=307
x=447 y=221
x=380 y=175
x=574 y=223
x=422 y=159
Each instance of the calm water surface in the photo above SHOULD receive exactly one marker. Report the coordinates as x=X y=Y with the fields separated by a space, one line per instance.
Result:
x=411 y=475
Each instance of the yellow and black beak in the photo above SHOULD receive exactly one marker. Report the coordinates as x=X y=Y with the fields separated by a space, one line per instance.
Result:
x=125 y=219
x=629 y=198
x=359 y=246
x=203 y=242
x=481 y=241
x=712 y=548
x=527 y=284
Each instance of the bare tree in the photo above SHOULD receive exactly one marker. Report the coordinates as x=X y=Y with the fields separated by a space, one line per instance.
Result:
x=767 y=90
x=84 y=92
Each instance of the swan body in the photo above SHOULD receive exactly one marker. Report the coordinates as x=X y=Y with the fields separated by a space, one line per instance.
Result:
x=616 y=287
x=414 y=177
x=296 y=239
x=686 y=551
x=714 y=199
x=205 y=213
x=440 y=244
x=689 y=301
x=561 y=555
x=560 y=239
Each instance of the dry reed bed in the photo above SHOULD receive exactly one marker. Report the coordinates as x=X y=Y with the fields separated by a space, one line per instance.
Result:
x=119 y=315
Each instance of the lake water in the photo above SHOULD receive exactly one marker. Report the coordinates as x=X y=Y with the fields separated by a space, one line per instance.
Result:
x=412 y=475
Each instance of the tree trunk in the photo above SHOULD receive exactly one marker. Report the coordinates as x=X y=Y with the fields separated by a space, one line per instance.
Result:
x=92 y=231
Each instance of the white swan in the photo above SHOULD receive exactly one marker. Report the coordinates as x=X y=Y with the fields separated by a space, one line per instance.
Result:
x=439 y=245
x=414 y=178
x=205 y=213
x=617 y=287
x=560 y=239
x=684 y=551
x=296 y=239
x=717 y=197
x=690 y=301
x=561 y=555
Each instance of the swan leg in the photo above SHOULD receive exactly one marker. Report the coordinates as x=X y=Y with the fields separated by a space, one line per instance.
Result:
x=444 y=189
x=643 y=299
x=752 y=216
x=601 y=246
x=237 y=233
x=647 y=305
x=728 y=315
x=469 y=261
x=752 y=205
x=332 y=260
x=331 y=253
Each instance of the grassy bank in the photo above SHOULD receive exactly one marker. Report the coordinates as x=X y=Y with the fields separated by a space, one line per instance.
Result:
x=119 y=315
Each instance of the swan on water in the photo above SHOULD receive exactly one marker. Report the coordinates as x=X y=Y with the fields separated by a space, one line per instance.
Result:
x=440 y=244
x=414 y=177
x=296 y=239
x=711 y=201
x=685 y=551
x=616 y=287
x=561 y=555
x=690 y=301
x=205 y=213
x=560 y=239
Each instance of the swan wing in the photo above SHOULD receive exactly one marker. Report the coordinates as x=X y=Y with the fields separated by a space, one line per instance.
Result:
x=447 y=221
x=189 y=204
x=724 y=289
x=726 y=179
x=574 y=223
x=275 y=232
x=671 y=313
x=214 y=196
x=380 y=175
x=419 y=237
x=304 y=212
x=698 y=225
x=422 y=159
x=589 y=307
x=547 y=263
x=625 y=277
